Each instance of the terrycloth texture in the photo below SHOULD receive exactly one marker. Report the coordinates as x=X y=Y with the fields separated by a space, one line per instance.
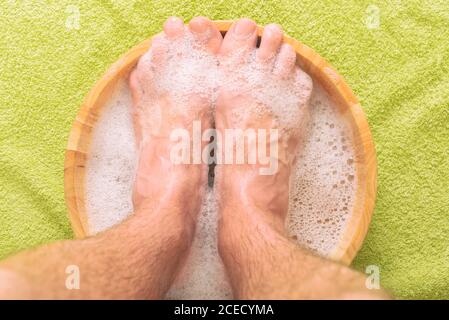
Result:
x=397 y=65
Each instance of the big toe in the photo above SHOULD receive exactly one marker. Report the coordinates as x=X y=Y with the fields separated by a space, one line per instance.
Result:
x=206 y=33
x=173 y=28
x=242 y=36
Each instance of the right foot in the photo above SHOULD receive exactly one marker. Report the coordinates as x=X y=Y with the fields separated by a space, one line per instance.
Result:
x=262 y=88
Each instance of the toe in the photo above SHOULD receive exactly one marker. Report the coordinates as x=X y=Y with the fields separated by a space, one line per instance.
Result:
x=158 y=50
x=153 y=59
x=305 y=83
x=206 y=33
x=286 y=60
x=270 y=43
x=241 y=35
x=173 y=27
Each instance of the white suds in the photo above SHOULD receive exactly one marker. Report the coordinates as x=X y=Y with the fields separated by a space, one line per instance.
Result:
x=287 y=96
x=203 y=276
x=111 y=164
x=181 y=74
x=323 y=185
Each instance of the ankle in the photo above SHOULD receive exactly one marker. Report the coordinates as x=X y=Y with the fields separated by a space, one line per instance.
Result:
x=247 y=192
x=249 y=224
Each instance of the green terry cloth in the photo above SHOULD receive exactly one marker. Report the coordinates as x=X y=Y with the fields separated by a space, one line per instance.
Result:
x=394 y=54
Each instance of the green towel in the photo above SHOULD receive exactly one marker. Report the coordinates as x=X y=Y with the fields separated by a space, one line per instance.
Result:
x=394 y=54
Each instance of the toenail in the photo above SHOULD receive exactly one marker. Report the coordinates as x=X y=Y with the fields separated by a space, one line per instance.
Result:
x=174 y=20
x=199 y=26
x=275 y=28
x=173 y=24
x=272 y=31
x=244 y=28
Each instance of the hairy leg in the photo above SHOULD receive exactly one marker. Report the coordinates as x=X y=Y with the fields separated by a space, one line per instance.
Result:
x=260 y=259
x=140 y=257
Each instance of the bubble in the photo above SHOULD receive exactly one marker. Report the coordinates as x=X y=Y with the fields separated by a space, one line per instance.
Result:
x=111 y=165
x=323 y=179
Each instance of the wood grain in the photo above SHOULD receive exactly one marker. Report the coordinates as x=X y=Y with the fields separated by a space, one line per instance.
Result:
x=321 y=71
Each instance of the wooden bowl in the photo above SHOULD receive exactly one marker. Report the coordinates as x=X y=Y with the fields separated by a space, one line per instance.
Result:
x=321 y=71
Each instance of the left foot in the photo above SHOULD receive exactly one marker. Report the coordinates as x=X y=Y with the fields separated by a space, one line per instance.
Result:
x=172 y=86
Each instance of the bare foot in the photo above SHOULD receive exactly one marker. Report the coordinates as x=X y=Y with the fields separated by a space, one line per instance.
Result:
x=171 y=89
x=262 y=89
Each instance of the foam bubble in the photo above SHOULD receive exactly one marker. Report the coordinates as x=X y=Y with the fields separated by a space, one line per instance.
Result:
x=283 y=98
x=321 y=199
x=183 y=60
x=323 y=184
x=203 y=276
x=112 y=164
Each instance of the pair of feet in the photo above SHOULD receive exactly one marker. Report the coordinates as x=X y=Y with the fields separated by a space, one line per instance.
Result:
x=191 y=73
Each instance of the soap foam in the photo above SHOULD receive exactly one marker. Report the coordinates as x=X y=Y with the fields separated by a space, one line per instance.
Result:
x=321 y=199
x=181 y=74
x=112 y=164
x=203 y=276
x=323 y=183
x=284 y=98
